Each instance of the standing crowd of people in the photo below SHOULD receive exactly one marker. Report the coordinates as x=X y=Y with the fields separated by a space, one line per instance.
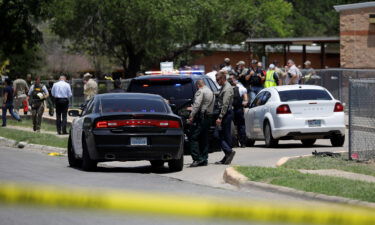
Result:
x=32 y=96
x=238 y=87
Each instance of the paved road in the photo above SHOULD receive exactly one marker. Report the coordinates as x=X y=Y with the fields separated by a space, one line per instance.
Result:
x=254 y=156
x=206 y=182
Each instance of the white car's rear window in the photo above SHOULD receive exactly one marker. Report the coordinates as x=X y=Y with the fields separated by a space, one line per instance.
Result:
x=303 y=95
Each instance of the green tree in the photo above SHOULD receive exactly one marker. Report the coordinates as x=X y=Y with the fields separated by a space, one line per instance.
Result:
x=141 y=33
x=316 y=18
x=19 y=36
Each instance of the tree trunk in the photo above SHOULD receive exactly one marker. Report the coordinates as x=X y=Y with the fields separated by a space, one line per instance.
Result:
x=134 y=65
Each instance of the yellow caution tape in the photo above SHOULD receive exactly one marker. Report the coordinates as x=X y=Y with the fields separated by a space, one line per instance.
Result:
x=162 y=204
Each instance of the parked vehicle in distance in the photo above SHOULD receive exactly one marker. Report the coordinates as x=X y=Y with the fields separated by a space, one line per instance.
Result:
x=126 y=126
x=299 y=112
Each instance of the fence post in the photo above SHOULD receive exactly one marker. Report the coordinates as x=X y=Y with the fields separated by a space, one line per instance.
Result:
x=350 y=118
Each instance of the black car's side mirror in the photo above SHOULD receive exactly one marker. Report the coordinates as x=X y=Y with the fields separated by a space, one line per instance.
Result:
x=74 y=113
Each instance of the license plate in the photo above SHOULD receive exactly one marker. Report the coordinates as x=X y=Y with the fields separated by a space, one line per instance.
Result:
x=138 y=141
x=314 y=123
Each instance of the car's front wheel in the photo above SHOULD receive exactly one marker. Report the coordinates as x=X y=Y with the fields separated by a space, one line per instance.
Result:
x=176 y=165
x=337 y=140
x=73 y=161
x=270 y=141
x=87 y=163
x=308 y=142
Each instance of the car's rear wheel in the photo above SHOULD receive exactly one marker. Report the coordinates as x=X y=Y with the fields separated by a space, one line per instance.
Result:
x=308 y=142
x=73 y=161
x=270 y=141
x=157 y=163
x=87 y=163
x=337 y=140
x=176 y=165
x=250 y=142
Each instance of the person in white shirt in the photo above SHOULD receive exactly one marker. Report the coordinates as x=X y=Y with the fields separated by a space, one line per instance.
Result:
x=227 y=66
x=61 y=91
x=212 y=76
x=293 y=75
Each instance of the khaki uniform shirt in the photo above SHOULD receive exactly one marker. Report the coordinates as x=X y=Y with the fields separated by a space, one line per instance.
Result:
x=203 y=101
x=90 y=89
x=225 y=99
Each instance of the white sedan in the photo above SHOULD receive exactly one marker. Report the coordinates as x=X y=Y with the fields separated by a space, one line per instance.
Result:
x=299 y=112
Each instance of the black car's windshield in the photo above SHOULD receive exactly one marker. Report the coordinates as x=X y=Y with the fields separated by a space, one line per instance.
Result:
x=168 y=89
x=133 y=105
x=303 y=95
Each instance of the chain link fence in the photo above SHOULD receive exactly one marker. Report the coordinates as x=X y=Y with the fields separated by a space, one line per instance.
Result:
x=362 y=119
x=337 y=80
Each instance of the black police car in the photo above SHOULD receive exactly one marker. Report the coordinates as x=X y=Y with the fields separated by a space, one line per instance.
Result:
x=126 y=126
x=179 y=90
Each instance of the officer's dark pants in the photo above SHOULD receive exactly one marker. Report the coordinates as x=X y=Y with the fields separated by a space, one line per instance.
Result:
x=225 y=133
x=51 y=105
x=36 y=114
x=199 y=138
x=62 y=105
x=239 y=121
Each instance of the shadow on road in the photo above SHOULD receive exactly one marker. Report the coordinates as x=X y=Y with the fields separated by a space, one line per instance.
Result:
x=146 y=169
x=295 y=146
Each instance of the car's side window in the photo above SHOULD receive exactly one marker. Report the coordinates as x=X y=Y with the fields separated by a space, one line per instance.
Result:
x=257 y=100
x=212 y=85
x=265 y=97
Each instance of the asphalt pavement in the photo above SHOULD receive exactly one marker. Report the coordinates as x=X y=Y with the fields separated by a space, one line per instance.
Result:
x=259 y=155
x=21 y=165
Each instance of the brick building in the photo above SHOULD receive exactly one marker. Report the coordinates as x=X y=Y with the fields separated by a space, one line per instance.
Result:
x=357 y=35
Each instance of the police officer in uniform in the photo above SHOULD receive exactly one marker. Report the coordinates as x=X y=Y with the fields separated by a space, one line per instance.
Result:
x=224 y=120
x=201 y=118
x=37 y=94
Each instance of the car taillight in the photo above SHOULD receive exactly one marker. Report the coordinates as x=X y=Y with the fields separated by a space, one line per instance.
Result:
x=338 y=107
x=138 y=123
x=283 y=109
x=102 y=124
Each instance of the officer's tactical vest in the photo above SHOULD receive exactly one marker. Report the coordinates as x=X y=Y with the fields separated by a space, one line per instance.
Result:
x=35 y=100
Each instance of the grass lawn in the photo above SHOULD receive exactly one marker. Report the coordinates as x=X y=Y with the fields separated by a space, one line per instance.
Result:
x=27 y=122
x=34 y=138
x=339 y=163
x=311 y=183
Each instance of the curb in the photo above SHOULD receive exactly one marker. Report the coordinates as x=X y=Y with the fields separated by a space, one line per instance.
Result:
x=235 y=178
x=41 y=148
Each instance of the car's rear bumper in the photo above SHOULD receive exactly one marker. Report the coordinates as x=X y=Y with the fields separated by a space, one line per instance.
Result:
x=290 y=127
x=109 y=147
